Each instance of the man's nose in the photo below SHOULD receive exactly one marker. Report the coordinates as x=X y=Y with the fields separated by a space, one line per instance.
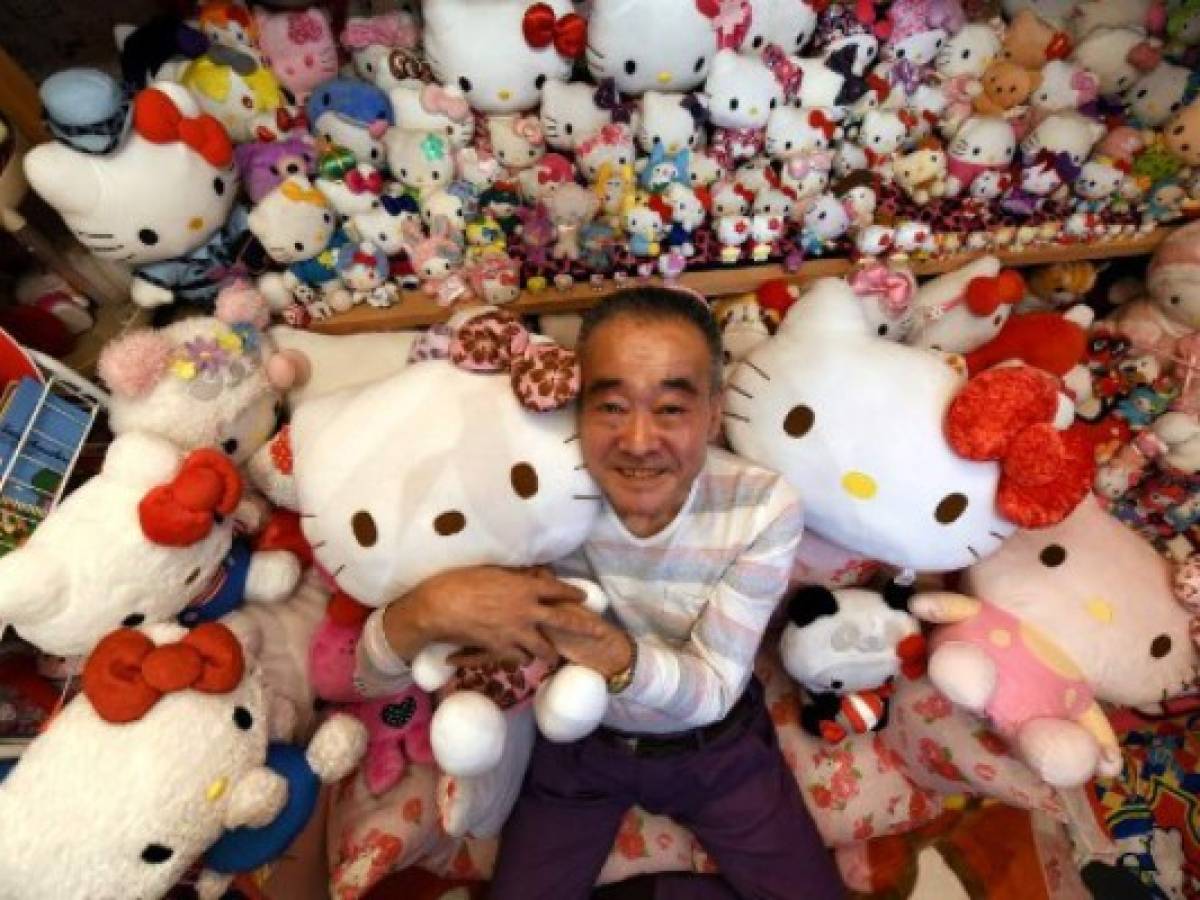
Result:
x=638 y=437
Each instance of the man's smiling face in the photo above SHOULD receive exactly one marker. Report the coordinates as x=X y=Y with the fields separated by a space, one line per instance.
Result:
x=647 y=414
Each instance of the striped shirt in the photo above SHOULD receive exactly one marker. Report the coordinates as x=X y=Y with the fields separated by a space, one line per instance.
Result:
x=697 y=596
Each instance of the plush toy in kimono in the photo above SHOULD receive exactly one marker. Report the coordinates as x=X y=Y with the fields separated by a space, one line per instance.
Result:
x=495 y=478
x=742 y=93
x=235 y=87
x=149 y=538
x=818 y=403
x=165 y=760
x=297 y=227
x=961 y=310
x=501 y=54
x=1059 y=619
x=299 y=47
x=846 y=648
x=676 y=58
x=160 y=202
x=918 y=31
x=351 y=114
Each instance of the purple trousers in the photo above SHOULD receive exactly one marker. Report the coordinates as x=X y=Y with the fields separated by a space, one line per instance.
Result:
x=736 y=795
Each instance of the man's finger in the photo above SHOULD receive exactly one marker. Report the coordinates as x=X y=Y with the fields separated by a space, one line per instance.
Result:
x=532 y=642
x=552 y=590
x=574 y=620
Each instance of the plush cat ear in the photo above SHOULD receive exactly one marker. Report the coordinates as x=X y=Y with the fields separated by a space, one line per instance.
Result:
x=897 y=595
x=133 y=365
x=240 y=303
x=67 y=180
x=142 y=459
x=31 y=587
x=811 y=603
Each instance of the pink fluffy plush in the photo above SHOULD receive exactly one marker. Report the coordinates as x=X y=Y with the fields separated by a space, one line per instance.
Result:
x=132 y=365
x=240 y=303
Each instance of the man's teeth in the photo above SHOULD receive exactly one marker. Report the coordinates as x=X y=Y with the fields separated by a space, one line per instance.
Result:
x=638 y=474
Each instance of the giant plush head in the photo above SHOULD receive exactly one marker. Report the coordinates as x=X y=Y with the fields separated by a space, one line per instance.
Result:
x=643 y=45
x=819 y=403
x=99 y=561
x=1173 y=278
x=391 y=493
x=501 y=53
x=160 y=195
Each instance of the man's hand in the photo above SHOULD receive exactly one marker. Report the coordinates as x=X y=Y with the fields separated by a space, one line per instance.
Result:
x=587 y=639
x=489 y=608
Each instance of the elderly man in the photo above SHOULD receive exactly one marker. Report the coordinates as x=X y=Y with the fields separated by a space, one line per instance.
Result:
x=693 y=551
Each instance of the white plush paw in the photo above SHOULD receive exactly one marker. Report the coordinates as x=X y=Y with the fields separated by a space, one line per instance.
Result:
x=467 y=734
x=149 y=295
x=1062 y=753
x=337 y=747
x=570 y=704
x=964 y=674
x=431 y=668
x=272 y=576
x=212 y=885
x=480 y=805
x=256 y=799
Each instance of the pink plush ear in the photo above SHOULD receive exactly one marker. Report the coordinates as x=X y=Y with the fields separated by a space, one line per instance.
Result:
x=241 y=304
x=288 y=369
x=133 y=365
x=1144 y=57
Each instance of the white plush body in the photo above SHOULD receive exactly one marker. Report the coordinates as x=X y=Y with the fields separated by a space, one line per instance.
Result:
x=666 y=123
x=91 y=796
x=89 y=566
x=650 y=45
x=1158 y=95
x=1107 y=53
x=955 y=329
x=1065 y=132
x=457 y=496
x=141 y=204
x=818 y=403
x=478 y=46
x=742 y=92
x=569 y=114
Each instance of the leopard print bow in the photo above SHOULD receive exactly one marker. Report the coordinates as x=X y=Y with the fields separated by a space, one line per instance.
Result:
x=544 y=376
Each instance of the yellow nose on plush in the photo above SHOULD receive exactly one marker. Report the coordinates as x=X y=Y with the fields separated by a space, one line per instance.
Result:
x=859 y=485
x=216 y=790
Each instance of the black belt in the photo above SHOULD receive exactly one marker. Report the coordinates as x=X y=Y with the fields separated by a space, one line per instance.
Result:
x=658 y=745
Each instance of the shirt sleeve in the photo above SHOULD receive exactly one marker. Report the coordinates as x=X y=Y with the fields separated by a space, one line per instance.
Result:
x=696 y=683
x=378 y=670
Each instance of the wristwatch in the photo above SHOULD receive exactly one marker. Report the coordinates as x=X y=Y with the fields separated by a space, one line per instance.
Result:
x=624 y=678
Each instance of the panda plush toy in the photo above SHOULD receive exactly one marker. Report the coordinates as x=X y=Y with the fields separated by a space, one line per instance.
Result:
x=845 y=648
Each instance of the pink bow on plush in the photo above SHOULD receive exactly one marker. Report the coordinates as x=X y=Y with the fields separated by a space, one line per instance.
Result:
x=1086 y=85
x=893 y=290
x=359 y=183
x=799 y=167
x=529 y=129
x=394 y=29
x=436 y=99
x=544 y=376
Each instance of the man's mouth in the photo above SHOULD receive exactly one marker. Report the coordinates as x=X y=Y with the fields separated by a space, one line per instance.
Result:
x=639 y=473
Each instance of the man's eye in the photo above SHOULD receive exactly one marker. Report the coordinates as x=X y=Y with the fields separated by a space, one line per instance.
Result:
x=611 y=409
x=671 y=410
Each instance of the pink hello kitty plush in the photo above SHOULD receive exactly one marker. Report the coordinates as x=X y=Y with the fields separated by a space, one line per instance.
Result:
x=437 y=260
x=919 y=30
x=299 y=47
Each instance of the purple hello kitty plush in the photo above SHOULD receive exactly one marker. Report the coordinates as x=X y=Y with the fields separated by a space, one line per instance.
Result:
x=265 y=164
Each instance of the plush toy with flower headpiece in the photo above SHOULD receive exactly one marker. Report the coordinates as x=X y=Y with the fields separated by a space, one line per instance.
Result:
x=148 y=539
x=817 y=403
x=160 y=202
x=1059 y=619
x=165 y=760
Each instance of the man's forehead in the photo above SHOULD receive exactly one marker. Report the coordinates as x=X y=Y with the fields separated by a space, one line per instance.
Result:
x=632 y=350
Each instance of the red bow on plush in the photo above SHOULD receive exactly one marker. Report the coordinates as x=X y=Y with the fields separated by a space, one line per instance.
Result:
x=542 y=27
x=818 y=119
x=358 y=183
x=986 y=295
x=544 y=376
x=127 y=673
x=158 y=120
x=289 y=120
x=182 y=512
x=1007 y=414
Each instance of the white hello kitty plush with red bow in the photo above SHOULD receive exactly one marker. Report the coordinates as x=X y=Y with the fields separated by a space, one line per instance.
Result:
x=168 y=759
x=801 y=139
x=966 y=308
x=148 y=539
x=160 y=202
x=501 y=54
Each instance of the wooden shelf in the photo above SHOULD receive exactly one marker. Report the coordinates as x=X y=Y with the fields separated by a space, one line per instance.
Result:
x=416 y=310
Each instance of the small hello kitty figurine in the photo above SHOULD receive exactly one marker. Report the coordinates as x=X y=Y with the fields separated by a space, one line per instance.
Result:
x=364 y=271
x=982 y=144
x=518 y=142
x=646 y=224
x=742 y=93
x=825 y=221
x=732 y=231
x=437 y=260
x=299 y=47
x=765 y=230
x=571 y=207
x=919 y=30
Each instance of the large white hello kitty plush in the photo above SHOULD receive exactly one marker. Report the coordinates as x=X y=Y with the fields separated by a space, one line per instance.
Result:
x=1065 y=132
x=501 y=53
x=818 y=403
x=202 y=382
x=645 y=45
x=1059 y=619
x=150 y=535
x=1117 y=56
x=570 y=115
x=433 y=108
x=484 y=481
x=742 y=93
x=981 y=144
x=882 y=133
x=964 y=309
x=162 y=762
x=160 y=202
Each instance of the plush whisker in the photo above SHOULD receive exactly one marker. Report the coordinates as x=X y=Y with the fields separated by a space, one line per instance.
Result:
x=573 y=437
x=585 y=497
x=741 y=390
x=997 y=535
x=765 y=376
x=974 y=552
x=733 y=415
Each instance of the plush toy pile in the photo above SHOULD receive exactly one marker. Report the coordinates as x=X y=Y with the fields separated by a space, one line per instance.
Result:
x=470 y=149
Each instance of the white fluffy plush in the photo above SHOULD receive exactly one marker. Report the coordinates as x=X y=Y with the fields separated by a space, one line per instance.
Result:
x=108 y=810
x=478 y=46
x=89 y=567
x=1116 y=55
x=943 y=319
x=1065 y=132
x=650 y=45
x=742 y=91
x=818 y=402
x=569 y=114
x=667 y=123
x=143 y=203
